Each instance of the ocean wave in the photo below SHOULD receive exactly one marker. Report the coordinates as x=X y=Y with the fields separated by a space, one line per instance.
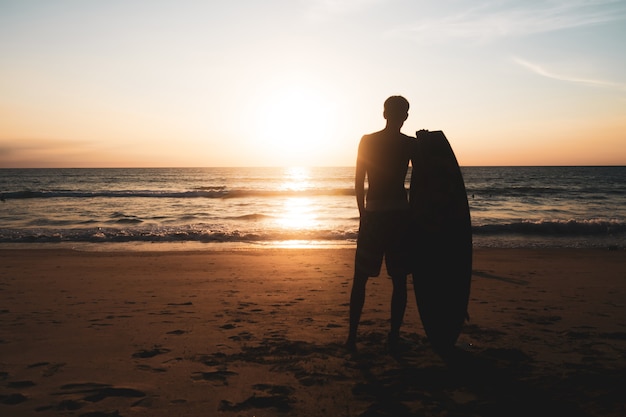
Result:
x=104 y=235
x=494 y=191
x=474 y=193
x=130 y=230
x=591 y=227
x=219 y=192
x=253 y=217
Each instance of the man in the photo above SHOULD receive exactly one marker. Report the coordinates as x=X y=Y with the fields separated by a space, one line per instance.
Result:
x=383 y=157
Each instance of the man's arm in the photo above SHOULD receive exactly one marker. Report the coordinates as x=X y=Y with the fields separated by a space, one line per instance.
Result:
x=359 y=180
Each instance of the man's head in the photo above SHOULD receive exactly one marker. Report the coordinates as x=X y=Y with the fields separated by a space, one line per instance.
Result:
x=396 y=109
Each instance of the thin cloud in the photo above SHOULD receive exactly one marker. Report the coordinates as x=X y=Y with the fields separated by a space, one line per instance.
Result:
x=515 y=19
x=19 y=145
x=20 y=148
x=321 y=8
x=44 y=152
x=537 y=69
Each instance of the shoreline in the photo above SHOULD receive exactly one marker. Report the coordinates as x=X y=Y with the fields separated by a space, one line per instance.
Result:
x=260 y=332
x=187 y=246
x=510 y=243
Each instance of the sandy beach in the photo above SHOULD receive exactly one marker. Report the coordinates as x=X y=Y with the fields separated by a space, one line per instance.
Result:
x=260 y=333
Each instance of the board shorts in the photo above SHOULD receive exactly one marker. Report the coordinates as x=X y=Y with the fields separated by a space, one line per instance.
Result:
x=384 y=234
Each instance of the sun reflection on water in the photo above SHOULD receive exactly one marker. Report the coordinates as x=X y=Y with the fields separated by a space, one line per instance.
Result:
x=298 y=211
x=297 y=179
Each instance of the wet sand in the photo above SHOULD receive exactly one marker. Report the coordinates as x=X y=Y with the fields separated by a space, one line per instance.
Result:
x=260 y=333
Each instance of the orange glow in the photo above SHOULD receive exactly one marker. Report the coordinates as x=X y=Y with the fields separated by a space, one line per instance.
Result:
x=218 y=84
x=294 y=124
x=298 y=212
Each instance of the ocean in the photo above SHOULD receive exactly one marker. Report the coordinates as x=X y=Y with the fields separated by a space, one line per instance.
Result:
x=189 y=208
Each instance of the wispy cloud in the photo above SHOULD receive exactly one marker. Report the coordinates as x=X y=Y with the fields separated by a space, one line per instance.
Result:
x=539 y=70
x=9 y=148
x=320 y=8
x=514 y=18
x=44 y=152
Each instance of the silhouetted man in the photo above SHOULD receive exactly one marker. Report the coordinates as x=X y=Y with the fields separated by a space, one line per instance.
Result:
x=383 y=158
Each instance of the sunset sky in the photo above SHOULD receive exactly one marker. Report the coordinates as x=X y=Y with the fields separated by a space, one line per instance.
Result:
x=297 y=82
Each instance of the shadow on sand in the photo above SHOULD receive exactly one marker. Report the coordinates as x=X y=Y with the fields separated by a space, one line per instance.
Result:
x=492 y=382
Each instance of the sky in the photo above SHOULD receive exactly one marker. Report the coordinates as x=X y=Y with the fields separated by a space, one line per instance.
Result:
x=298 y=82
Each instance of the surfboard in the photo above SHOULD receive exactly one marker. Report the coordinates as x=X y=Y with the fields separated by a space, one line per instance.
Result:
x=442 y=240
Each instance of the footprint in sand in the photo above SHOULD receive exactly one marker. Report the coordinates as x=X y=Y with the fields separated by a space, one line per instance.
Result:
x=18 y=397
x=64 y=405
x=213 y=359
x=20 y=384
x=268 y=396
x=144 y=354
x=12 y=399
x=91 y=392
x=214 y=376
x=50 y=368
x=242 y=336
x=97 y=392
x=143 y=367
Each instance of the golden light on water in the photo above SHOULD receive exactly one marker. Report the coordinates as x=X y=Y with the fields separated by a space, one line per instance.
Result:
x=298 y=213
x=296 y=179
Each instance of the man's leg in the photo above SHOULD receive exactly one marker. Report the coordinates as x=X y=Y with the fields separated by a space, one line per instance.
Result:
x=357 y=300
x=398 y=307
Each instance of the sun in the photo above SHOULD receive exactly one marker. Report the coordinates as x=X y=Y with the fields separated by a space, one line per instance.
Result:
x=295 y=123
